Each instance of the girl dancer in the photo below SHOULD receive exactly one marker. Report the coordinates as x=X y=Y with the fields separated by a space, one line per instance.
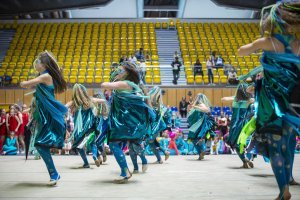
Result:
x=48 y=113
x=130 y=117
x=158 y=125
x=200 y=123
x=281 y=69
x=84 y=122
x=13 y=123
x=20 y=133
x=241 y=115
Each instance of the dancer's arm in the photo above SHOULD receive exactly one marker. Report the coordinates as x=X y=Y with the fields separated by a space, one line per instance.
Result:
x=119 y=85
x=227 y=98
x=265 y=43
x=44 y=78
x=69 y=104
x=19 y=123
x=98 y=100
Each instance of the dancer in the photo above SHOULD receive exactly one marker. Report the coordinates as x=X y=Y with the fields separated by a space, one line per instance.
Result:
x=48 y=113
x=242 y=113
x=13 y=122
x=130 y=117
x=281 y=68
x=200 y=123
x=84 y=122
x=158 y=125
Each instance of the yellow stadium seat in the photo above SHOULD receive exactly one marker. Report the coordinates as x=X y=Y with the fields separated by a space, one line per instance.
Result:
x=154 y=58
x=190 y=79
x=4 y=65
x=66 y=77
x=23 y=78
x=156 y=79
x=15 y=80
x=73 y=79
x=81 y=79
x=206 y=80
x=188 y=71
x=89 y=79
x=90 y=72
x=99 y=64
x=98 y=79
x=106 y=72
x=148 y=79
x=2 y=72
x=74 y=72
x=155 y=63
x=216 y=79
x=198 y=79
x=9 y=72
x=105 y=78
x=107 y=64
x=82 y=72
x=223 y=79
x=66 y=72
x=156 y=71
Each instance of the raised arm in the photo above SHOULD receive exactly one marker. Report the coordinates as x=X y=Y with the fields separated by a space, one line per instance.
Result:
x=98 y=100
x=44 y=78
x=202 y=108
x=119 y=85
x=227 y=98
x=69 y=104
x=261 y=43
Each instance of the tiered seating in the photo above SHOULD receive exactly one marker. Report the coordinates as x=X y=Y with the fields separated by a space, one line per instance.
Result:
x=85 y=50
x=198 y=40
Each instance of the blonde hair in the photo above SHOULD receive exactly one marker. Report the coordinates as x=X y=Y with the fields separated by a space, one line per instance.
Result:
x=202 y=99
x=80 y=97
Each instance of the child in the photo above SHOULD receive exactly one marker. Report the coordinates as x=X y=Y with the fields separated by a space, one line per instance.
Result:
x=13 y=123
x=172 y=145
x=10 y=146
x=2 y=127
x=215 y=146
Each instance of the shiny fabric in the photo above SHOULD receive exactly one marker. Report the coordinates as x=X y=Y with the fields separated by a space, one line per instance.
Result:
x=240 y=116
x=130 y=116
x=137 y=149
x=116 y=148
x=200 y=124
x=10 y=146
x=49 y=116
x=46 y=156
x=83 y=126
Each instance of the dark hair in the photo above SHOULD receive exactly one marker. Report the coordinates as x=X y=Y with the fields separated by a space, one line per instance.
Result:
x=132 y=73
x=242 y=94
x=51 y=65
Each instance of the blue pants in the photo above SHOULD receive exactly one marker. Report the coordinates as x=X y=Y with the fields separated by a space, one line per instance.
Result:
x=46 y=156
x=155 y=150
x=116 y=148
x=135 y=149
x=199 y=145
x=292 y=147
x=83 y=156
x=281 y=157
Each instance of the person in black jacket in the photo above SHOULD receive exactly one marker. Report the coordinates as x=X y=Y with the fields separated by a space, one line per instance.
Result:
x=176 y=69
x=183 y=107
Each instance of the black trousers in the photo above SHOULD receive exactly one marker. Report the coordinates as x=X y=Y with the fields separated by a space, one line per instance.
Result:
x=175 y=76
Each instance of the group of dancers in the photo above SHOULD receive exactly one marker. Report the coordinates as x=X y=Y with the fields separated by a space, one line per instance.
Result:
x=265 y=118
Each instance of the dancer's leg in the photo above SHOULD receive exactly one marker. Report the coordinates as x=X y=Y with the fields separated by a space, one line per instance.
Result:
x=46 y=156
x=155 y=151
x=115 y=147
x=133 y=156
x=84 y=158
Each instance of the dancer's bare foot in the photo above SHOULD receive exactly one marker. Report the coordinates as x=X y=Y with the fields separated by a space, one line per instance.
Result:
x=286 y=195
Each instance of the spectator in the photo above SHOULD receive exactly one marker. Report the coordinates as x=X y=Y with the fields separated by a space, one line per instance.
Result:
x=183 y=107
x=227 y=69
x=10 y=146
x=140 y=54
x=232 y=77
x=198 y=68
x=172 y=144
x=123 y=59
x=143 y=69
x=132 y=59
x=2 y=127
x=210 y=64
x=1 y=80
x=190 y=103
x=222 y=125
x=219 y=62
x=213 y=57
x=176 y=69
x=147 y=56
x=175 y=55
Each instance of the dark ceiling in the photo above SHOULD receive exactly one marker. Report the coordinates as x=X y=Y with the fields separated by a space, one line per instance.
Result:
x=15 y=7
x=248 y=4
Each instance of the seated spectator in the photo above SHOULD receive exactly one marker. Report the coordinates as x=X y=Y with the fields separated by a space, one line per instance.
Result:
x=140 y=54
x=182 y=146
x=172 y=144
x=232 y=77
x=123 y=59
x=227 y=69
x=198 y=68
x=10 y=146
x=164 y=143
x=147 y=56
x=132 y=59
x=192 y=149
x=219 y=62
x=215 y=145
x=222 y=124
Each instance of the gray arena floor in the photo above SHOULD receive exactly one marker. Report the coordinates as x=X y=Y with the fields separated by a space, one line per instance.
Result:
x=181 y=177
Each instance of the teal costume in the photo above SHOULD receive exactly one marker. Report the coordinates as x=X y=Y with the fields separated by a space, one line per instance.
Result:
x=275 y=123
x=48 y=115
x=200 y=124
x=10 y=146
